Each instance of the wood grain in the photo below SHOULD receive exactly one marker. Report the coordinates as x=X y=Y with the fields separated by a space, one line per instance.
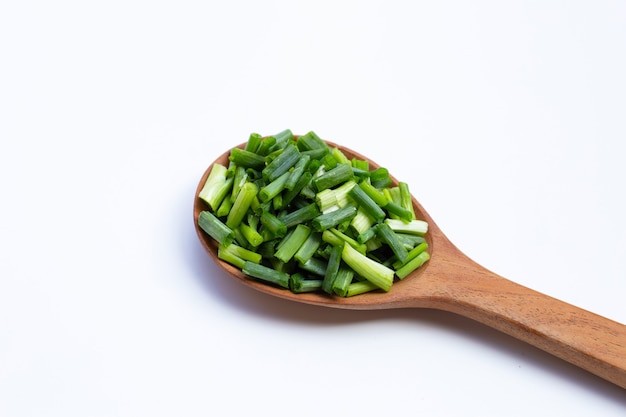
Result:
x=453 y=282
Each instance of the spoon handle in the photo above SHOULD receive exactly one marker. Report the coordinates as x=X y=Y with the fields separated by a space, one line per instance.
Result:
x=592 y=342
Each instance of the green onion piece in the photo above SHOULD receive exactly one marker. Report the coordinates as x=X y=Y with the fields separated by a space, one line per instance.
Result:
x=329 y=162
x=360 y=173
x=316 y=155
x=290 y=195
x=282 y=163
x=416 y=227
x=253 y=143
x=299 y=283
x=326 y=200
x=377 y=273
x=316 y=266
x=374 y=193
x=300 y=215
x=251 y=235
x=282 y=138
x=265 y=147
x=333 y=218
x=342 y=281
x=309 y=247
x=422 y=247
x=367 y=235
x=277 y=202
x=340 y=157
x=311 y=141
x=272 y=223
x=242 y=254
x=266 y=273
x=274 y=188
x=230 y=257
x=388 y=236
x=410 y=241
x=360 y=287
x=360 y=164
x=405 y=198
x=216 y=187
x=341 y=193
x=298 y=169
x=334 y=237
x=290 y=245
x=247 y=159
x=241 y=205
x=361 y=222
x=215 y=228
x=338 y=175
x=334 y=261
x=225 y=206
x=412 y=265
x=402 y=213
x=367 y=204
x=380 y=178
x=240 y=178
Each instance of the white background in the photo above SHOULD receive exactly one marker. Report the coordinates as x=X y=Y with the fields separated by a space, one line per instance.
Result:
x=506 y=119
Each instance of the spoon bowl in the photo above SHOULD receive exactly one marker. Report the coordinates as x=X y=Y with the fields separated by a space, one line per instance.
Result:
x=453 y=282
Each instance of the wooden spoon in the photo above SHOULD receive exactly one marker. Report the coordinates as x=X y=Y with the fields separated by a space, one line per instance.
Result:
x=453 y=282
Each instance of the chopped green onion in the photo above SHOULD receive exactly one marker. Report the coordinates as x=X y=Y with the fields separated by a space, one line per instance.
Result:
x=380 y=178
x=360 y=287
x=304 y=214
x=338 y=175
x=400 y=212
x=298 y=169
x=274 y=188
x=264 y=148
x=367 y=204
x=361 y=222
x=417 y=227
x=405 y=198
x=376 y=273
x=299 y=283
x=412 y=265
x=310 y=141
x=266 y=273
x=333 y=218
x=337 y=238
x=282 y=163
x=388 y=236
x=302 y=182
x=291 y=243
x=342 y=281
x=254 y=141
x=241 y=205
x=309 y=247
x=299 y=214
x=334 y=261
x=237 y=255
x=225 y=206
x=215 y=228
x=216 y=186
x=282 y=138
x=247 y=159
x=251 y=235
x=316 y=266
x=272 y=223
x=374 y=193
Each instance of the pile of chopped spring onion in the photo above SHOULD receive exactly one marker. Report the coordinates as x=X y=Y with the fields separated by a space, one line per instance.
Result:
x=295 y=212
